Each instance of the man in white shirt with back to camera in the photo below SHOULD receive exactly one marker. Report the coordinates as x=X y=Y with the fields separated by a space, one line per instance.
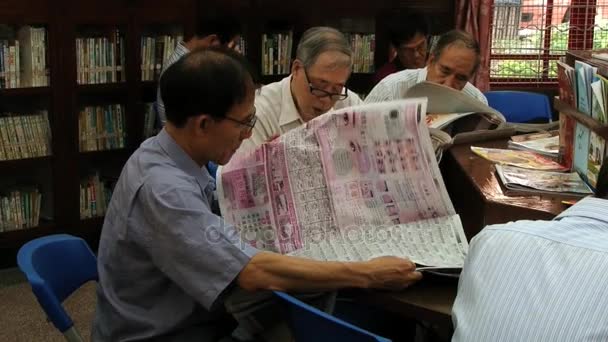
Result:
x=453 y=62
x=538 y=280
x=316 y=85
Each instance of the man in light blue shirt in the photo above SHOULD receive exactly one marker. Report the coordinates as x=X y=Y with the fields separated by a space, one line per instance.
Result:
x=166 y=262
x=537 y=280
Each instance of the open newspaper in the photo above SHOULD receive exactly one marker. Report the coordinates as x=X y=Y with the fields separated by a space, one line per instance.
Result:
x=350 y=185
x=455 y=117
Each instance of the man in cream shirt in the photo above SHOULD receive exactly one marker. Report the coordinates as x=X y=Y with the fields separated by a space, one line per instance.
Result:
x=316 y=85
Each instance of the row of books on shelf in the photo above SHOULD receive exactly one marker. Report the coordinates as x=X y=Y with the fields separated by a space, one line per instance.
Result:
x=363 y=46
x=20 y=209
x=24 y=136
x=23 y=61
x=95 y=194
x=276 y=53
x=155 y=51
x=101 y=128
x=583 y=88
x=100 y=59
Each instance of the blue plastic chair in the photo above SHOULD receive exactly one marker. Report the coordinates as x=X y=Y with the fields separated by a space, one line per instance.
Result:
x=55 y=266
x=520 y=106
x=311 y=324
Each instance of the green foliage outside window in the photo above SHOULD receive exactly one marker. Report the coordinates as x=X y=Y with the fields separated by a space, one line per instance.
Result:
x=530 y=42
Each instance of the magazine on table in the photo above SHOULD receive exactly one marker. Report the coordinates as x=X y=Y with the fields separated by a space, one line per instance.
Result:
x=534 y=136
x=523 y=159
x=546 y=146
x=521 y=180
x=350 y=185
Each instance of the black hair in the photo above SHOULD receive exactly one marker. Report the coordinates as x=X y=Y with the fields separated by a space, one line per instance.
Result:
x=205 y=81
x=223 y=24
x=403 y=26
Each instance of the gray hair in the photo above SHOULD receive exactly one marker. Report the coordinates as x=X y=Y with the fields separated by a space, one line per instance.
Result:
x=457 y=38
x=317 y=40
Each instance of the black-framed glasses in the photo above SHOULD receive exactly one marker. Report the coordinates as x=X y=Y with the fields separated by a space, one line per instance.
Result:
x=421 y=48
x=249 y=122
x=320 y=93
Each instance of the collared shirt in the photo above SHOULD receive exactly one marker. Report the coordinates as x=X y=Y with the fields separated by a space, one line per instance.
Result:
x=537 y=280
x=395 y=86
x=180 y=50
x=277 y=112
x=164 y=258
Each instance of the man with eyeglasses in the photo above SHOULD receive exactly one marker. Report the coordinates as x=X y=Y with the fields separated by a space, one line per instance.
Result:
x=453 y=62
x=317 y=84
x=167 y=264
x=408 y=34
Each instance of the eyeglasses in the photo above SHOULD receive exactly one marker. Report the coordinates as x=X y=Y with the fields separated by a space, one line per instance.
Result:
x=420 y=48
x=320 y=93
x=249 y=122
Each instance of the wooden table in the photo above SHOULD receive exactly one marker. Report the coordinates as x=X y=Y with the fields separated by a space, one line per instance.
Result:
x=429 y=300
x=478 y=195
x=479 y=199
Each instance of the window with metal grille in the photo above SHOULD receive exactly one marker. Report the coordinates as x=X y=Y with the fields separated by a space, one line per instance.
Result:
x=530 y=36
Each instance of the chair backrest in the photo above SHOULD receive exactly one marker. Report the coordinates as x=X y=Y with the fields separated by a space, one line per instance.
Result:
x=55 y=266
x=311 y=324
x=520 y=106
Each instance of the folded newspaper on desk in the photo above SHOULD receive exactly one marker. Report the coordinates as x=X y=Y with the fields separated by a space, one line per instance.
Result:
x=454 y=117
x=350 y=185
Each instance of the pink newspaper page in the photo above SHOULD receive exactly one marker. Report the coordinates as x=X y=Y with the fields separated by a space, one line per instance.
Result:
x=377 y=166
x=352 y=184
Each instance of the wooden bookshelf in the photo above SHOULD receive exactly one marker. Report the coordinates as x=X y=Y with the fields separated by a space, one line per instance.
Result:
x=64 y=97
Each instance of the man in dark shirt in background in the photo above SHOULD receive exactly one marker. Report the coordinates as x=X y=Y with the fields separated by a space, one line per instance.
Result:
x=409 y=36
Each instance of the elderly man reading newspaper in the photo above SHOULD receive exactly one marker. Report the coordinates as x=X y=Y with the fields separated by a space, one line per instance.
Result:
x=351 y=185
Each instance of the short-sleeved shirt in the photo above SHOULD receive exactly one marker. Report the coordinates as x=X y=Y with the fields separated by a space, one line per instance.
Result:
x=277 y=112
x=179 y=52
x=395 y=86
x=164 y=258
x=537 y=280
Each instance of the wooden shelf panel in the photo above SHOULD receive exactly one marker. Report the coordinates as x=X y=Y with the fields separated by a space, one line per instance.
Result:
x=102 y=88
x=14 y=238
x=91 y=225
x=588 y=121
x=33 y=91
x=104 y=154
x=24 y=163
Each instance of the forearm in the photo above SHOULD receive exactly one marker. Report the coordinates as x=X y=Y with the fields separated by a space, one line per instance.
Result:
x=271 y=271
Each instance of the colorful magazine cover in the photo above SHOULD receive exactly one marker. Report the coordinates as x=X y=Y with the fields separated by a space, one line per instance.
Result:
x=518 y=179
x=546 y=146
x=524 y=159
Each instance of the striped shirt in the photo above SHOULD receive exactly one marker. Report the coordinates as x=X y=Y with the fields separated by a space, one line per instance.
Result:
x=180 y=50
x=395 y=86
x=537 y=280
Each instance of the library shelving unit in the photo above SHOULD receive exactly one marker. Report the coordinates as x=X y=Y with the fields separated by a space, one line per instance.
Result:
x=581 y=133
x=73 y=109
x=87 y=79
